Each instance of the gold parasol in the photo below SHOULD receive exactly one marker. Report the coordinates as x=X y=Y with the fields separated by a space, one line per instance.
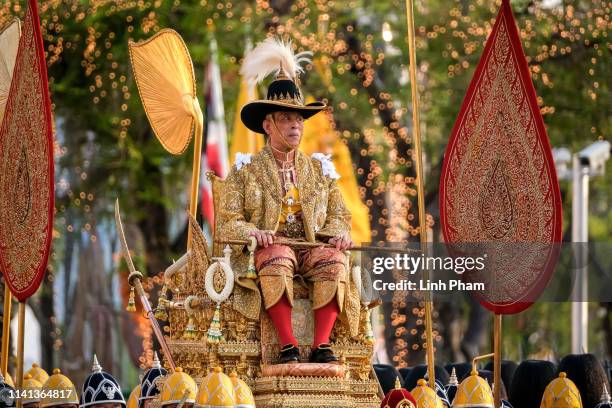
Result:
x=166 y=83
x=9 y=44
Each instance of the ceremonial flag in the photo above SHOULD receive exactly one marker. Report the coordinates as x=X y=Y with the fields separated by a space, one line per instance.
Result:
x=319 y=136
x=243 y=139
x=215 y=157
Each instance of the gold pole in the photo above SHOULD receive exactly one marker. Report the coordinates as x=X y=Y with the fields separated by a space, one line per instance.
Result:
x=20 y=330
x=419 y=182
x=497 y=331
x=6 y=329
x=195 y=174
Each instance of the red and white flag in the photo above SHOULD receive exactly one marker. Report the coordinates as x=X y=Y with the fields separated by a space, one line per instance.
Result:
x=214 y=157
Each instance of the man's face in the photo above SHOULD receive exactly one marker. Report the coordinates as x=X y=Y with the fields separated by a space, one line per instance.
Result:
x=146 y=403
x=289 y=124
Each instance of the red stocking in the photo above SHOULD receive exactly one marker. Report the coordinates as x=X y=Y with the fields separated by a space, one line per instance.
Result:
x=281 y=317
x=325 y=317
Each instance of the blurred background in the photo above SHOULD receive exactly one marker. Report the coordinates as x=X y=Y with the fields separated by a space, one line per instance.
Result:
x=105 y=149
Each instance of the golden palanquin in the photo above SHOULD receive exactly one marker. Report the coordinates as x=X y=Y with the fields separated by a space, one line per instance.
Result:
x=249 y=347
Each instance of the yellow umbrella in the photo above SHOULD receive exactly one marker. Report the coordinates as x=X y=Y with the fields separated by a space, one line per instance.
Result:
x=166 y=83
x=9 y=44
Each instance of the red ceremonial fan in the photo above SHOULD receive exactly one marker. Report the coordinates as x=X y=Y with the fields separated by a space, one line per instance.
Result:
x=499 y=184
x=26 y=166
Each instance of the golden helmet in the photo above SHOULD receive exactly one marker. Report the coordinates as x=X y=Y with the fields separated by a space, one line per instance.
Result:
x=67 y=393
x=177 y=388
x=561 y=393
x=9 y=380
x=426 y=397
x=216 y=390
x=133 y=400
x=474 y=391
x=38 y=374
x=33 y=388
x=242 y=393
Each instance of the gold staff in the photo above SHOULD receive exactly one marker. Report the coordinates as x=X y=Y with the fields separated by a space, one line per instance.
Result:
x=20 y=333
x=497 y=331
x=6 y=328
x=419 y=182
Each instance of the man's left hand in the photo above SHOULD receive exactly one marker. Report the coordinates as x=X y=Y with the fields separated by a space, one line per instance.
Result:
x=342 y=242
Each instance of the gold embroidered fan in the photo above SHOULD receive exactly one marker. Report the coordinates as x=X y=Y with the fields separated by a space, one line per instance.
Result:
x=166 y=84
x=9 y=43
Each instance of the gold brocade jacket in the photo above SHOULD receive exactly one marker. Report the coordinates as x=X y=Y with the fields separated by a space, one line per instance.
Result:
x=252 y=199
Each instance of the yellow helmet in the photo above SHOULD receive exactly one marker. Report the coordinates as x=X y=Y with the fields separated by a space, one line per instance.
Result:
x=216 y=390
x=425 y=396
x=38 y=374
x=33 y=388
x=242 y=393
x=177 y=387
x=133 y=400
x=9 y=380
x=59 y=382
x=561 y=393
x=474 y=391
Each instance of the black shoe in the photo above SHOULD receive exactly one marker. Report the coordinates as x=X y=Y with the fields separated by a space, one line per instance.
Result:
x=289 y=354
x=323 y=354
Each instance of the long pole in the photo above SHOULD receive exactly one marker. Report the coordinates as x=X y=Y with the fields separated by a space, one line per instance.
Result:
x=195 y=173
x=6 y=329
x=20 y=332
x=416 y=128
x=580 y=235
x=497 y=335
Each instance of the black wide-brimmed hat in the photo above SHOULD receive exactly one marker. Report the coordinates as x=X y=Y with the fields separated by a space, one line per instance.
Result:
x=284 y=94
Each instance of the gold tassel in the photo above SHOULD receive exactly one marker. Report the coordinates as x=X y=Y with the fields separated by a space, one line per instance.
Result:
x=160 y=312
x=214 y=332
x=251 y=272
x=131 y=306
x=190 y=329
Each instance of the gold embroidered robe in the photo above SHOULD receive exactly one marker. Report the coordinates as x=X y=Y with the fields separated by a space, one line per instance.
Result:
x=252 y=199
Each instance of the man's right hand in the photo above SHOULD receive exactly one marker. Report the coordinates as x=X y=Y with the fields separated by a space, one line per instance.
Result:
x=264 y=238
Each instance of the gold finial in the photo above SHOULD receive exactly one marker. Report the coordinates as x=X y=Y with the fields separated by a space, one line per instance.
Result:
x=562 y=374
x=57 y=371
x=422 y=382
x=218 y=370
x=398 y=385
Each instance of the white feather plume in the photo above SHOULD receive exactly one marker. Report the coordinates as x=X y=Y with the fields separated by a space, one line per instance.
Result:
x=268 y=57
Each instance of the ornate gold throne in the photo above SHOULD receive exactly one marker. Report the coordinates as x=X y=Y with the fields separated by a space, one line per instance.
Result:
x=249 y=347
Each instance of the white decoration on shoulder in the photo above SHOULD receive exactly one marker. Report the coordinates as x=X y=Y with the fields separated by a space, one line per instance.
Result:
x=242 y=159
x=327 y=165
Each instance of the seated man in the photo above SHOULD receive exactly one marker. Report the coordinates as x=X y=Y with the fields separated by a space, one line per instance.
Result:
x=280 y=192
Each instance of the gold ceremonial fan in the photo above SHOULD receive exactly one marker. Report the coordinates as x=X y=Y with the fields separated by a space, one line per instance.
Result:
x=9 y=44
x=166 y=83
